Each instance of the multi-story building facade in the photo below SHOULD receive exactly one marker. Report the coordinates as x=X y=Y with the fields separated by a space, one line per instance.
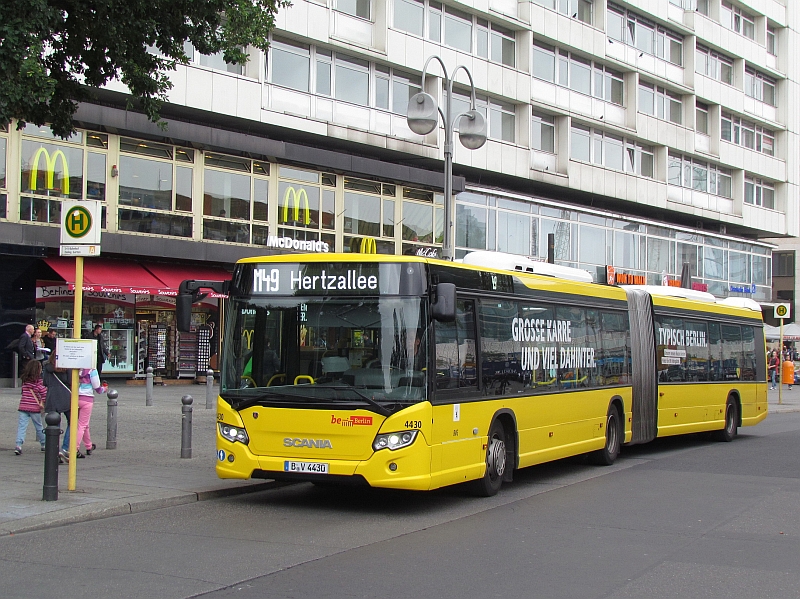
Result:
x=642 y=135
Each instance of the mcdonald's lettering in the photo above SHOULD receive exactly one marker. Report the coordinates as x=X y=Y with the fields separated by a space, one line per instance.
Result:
x=295 y=198
x=50 y=163
x=368 y=246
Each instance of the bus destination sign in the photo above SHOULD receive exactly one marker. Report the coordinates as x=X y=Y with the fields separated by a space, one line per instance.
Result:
x=316 y=279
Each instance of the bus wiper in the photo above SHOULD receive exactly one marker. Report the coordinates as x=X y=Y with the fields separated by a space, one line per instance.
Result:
x=379 y=408
x=252 y=400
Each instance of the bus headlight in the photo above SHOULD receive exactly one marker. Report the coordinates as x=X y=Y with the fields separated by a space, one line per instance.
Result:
x=394 y=441
x=233 y=433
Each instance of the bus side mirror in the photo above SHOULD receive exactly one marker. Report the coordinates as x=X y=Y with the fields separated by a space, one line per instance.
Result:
x=444 y=308
x=183 y=311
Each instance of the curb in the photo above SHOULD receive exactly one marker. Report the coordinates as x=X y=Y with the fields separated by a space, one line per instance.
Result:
x=134 y=507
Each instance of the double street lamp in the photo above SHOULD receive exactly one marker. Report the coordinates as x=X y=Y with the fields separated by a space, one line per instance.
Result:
x=423 y=116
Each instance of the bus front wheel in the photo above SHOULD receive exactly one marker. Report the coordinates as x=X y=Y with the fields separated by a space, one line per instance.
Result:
x=731 y=429
x=496 y=465
x=610 y=452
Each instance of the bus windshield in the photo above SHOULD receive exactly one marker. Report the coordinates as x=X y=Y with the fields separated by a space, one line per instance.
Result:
x=367 y=353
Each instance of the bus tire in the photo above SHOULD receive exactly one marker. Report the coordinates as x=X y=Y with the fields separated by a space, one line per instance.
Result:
x=496 y=463
x=610 y=452
x=731 y=429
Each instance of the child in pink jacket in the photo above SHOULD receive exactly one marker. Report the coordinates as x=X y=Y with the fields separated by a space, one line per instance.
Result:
x=89 y=383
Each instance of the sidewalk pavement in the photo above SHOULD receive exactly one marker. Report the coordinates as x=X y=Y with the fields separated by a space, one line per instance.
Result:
x=146 y=471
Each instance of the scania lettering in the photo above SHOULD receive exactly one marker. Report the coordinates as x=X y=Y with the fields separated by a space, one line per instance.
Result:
x=410 y=372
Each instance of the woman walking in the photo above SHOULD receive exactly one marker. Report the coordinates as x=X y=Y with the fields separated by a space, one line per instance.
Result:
x=774 y=363
x=89 y=384
x=59 y=397
x=31 y=404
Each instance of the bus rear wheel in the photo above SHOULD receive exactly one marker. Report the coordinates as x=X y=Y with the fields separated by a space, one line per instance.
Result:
x=610 y=452
x=731 y=429
x=496 y=465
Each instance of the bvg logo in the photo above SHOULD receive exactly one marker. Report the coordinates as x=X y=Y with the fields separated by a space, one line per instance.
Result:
x=295 y=197
x=50 y=163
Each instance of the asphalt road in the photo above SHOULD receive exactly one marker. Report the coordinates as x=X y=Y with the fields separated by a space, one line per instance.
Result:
x=684 y=517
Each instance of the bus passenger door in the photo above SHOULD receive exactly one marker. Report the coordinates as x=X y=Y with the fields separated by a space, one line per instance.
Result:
x=457 y=452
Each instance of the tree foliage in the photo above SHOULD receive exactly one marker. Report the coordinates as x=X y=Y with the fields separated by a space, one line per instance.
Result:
x=54 y=52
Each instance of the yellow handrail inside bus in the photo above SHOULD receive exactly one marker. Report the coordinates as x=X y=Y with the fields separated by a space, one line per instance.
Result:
x=303 y=377
x=249 y=379
x=278 y=377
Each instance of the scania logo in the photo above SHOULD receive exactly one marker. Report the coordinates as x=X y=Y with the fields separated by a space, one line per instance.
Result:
x=315 y=443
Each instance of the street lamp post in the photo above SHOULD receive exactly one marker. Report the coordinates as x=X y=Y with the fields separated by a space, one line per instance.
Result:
x=423 y=116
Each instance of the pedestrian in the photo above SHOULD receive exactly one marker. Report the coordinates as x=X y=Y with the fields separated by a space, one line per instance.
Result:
x=40 y=352
x=787 y=372
x=59 y=398
x=102 y=351
x=774 y=362
x=89 y=385
x=31 y=404
x=49 y=340
x=27 y=350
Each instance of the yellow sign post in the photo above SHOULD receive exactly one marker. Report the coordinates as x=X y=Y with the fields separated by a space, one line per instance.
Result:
x=781 y=311
x=80 y=227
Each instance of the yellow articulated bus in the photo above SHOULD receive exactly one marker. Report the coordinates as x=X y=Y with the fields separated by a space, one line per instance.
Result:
x=414 y=373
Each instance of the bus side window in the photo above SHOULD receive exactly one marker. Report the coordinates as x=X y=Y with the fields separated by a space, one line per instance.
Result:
x=456 y=366
x=732 y=358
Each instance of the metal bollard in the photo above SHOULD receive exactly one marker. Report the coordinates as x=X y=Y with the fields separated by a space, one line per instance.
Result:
x=209 y=389
x=52 y=433
x=111 y=420
x=15 y=369
x=186 y=426
x=148 y=387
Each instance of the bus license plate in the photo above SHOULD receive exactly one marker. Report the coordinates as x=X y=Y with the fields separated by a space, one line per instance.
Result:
x=305 y=467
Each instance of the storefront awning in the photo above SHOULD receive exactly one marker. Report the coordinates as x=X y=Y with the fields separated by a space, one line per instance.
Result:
x=123 y=276
x=172 y=275
x=110 y=276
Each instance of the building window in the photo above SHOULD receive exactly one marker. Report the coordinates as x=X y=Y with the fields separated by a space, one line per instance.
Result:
x=611 y=151
x=577 y=73
x=576 y=9
x=409 y=16
x=306 y=209
x=759 y=86
x=772 y=42
x=500 y=116
x=634 y=30
x=701 y=118
x=356 y=8
x=495 y=43
x=700 y=6
x=713 y=64
x=52 y=169
x=213 y=61
x=759 y=192
x=660 y=103
x=746 y=133
x=422 y=220
x=394 y=89
x=458 y=30
x=684 y=171
x=3 y=144
x=369 y=215
x=543 y=132
x=155 y=181
x=735 y=19
x=783 y=264
x=462 y=31
x=291 y=65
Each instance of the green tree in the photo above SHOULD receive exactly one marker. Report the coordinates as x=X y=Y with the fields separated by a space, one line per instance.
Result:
x=53 y=53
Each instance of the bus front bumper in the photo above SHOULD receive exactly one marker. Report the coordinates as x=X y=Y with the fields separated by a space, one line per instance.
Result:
x=405 y=468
